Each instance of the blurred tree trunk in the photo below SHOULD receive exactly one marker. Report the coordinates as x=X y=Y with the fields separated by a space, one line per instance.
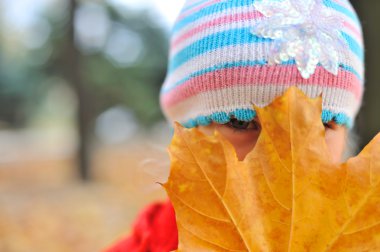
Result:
x=74 y=76
x=369 y=119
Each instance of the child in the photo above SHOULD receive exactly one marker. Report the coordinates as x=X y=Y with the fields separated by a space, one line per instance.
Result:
x=226 y=55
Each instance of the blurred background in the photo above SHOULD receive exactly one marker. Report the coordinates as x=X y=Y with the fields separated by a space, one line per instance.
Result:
x=82 y=138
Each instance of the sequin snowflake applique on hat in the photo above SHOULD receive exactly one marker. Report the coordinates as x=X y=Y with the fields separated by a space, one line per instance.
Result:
x=304 y=30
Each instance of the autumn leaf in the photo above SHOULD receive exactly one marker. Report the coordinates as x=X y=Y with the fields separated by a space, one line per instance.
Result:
x=286 y=195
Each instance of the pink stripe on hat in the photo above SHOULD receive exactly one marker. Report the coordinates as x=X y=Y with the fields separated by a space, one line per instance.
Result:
x=258 y=75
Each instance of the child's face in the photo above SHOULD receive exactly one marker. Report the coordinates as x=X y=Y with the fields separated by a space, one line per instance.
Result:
x=243 y=136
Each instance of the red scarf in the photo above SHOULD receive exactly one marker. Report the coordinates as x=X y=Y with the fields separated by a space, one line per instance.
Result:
x=155 y=230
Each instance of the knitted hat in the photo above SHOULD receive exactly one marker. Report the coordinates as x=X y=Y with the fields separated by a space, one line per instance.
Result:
x=226 y=55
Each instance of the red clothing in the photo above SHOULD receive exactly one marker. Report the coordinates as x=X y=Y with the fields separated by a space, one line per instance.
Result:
x=154 y=231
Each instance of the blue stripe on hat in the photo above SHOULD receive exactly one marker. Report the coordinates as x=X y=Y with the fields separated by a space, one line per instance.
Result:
x=345 y=11
x=234 y=37
x=214 y=8
x=354 y=46
x=249 y=114
x=214 y=41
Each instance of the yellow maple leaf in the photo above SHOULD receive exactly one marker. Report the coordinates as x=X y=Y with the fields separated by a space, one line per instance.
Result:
x=286 y=195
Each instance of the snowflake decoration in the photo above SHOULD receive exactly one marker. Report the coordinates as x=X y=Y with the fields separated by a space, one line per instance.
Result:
x=304 y=30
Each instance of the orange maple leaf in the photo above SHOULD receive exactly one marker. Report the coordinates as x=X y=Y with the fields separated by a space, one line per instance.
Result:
x=286 y=195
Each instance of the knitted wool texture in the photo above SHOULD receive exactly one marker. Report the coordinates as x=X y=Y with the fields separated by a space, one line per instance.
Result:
x=218 y=68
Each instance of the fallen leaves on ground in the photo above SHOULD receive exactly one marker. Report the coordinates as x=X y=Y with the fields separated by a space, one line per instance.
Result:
x=44 y=208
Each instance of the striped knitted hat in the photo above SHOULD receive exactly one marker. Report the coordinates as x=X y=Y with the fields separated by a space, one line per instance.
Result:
x=226 y=55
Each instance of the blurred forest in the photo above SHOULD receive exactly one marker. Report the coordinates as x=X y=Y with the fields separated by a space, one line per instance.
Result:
x=96 y=54
x=368 y=122
x=79 y=115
